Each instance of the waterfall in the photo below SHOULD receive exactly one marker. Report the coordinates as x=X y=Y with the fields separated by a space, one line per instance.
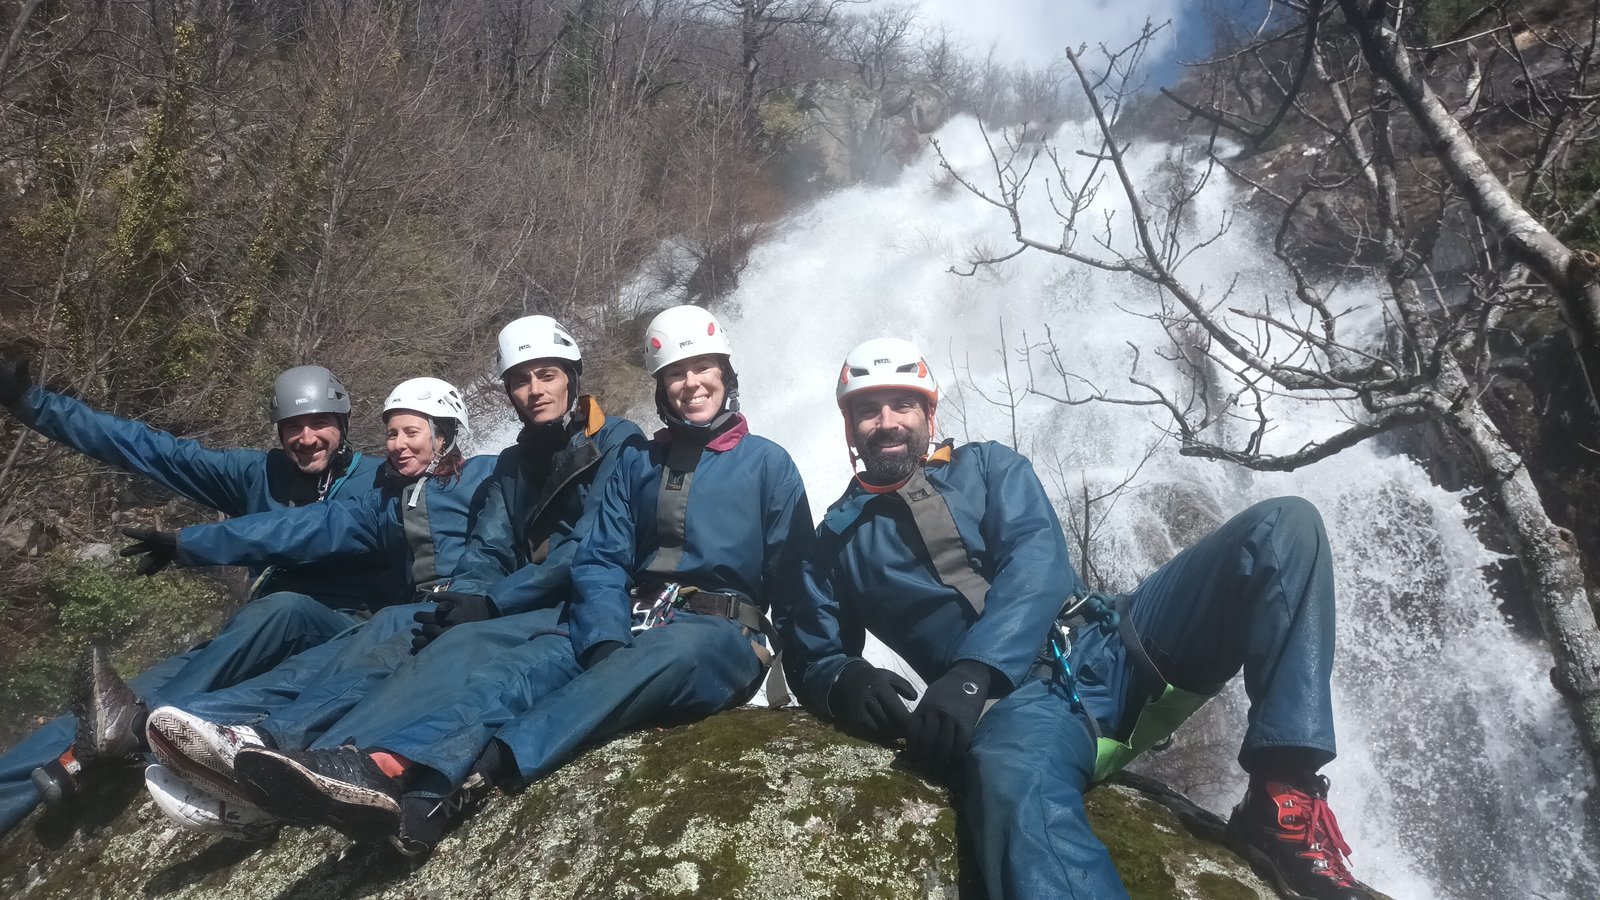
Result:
x=1459 y=773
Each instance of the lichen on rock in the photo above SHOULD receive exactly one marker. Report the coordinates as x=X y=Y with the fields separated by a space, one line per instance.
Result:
x=749 y=804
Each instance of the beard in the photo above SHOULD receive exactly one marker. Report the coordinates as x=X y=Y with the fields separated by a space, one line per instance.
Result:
x=890 y=468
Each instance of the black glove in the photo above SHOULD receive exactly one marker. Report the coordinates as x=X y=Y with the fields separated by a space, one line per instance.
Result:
x=866 y=702
x=598 y=652
x=941 y=726
x=155 y=548
x=450 y=610
x=14 y=380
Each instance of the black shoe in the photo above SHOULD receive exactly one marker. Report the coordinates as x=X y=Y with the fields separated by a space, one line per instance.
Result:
x=1292 y=840
x=340 y=788
x=57 y=780
x=425 y=819
x=110 y=715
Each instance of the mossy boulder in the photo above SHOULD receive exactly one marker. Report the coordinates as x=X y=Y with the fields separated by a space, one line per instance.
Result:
x=749 y=804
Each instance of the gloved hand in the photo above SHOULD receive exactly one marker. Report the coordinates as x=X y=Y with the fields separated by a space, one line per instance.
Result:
x=450 y=610
x=941 y=726
x=14 y=380
x=155 y=548
x=595 y=654
x=866 y=702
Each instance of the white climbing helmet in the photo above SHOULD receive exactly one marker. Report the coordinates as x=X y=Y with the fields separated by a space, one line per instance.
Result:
x=682 y=332
x=886 y=363
x=432 y=397
x=536 y=337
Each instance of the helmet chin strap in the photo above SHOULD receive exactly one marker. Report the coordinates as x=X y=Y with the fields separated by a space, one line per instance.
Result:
x=730 y=408
x=445 y=446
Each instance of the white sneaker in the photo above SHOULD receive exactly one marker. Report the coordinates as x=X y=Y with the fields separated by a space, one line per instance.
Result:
x=201 y=752
x=196 y=810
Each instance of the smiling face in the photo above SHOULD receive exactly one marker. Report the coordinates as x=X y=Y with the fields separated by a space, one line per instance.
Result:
x=538 y=390
x=411 y=443
x=890 y=430
x=310 y=440
x=693 y=388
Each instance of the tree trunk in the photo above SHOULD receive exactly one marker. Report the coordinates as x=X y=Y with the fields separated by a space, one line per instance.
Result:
x=1573 y=278
x=750 y=41
x=1549 y=560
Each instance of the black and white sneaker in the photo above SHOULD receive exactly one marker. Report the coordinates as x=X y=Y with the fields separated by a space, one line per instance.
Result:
x=201 y=752
x=110 y=715
x=341 y=788
x=196 y=810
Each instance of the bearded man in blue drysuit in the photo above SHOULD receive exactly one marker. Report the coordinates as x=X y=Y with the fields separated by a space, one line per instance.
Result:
x=957 y=562
x=296 y=607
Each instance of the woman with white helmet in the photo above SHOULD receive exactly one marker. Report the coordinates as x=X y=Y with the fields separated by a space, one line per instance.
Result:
x=510 y=583
x=419 y=519
x=696 y=535
x=425 y=421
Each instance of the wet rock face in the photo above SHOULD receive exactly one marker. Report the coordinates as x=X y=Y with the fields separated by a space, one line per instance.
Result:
x=748 y=804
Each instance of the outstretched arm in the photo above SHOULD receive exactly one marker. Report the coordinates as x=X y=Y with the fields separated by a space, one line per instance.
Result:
x=224 y=480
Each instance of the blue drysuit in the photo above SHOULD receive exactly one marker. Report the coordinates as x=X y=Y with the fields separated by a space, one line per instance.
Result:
x=534 y=510
x=427 y=531
x=299 y=612
x=1256 y=593
x=746 y=527
x=524 y=521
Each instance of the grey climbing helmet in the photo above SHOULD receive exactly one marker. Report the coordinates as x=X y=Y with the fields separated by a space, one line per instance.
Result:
x=308 y=389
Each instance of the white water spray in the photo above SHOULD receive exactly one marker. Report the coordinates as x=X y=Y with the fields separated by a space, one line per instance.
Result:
x=1459 y=773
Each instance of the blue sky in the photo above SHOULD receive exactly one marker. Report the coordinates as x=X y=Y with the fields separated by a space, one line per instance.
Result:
x=1035 y=31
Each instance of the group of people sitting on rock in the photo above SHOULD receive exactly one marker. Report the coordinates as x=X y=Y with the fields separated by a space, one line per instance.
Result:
x=427 y=626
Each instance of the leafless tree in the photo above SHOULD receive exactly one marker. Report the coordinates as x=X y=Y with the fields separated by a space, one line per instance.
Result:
x=759 y=24
x=1370 y=113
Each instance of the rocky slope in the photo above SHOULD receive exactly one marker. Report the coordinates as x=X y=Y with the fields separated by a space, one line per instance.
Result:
x=748 y=804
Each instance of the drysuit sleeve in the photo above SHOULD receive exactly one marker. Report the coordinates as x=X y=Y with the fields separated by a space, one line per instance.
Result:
x=817 y=641
x=787 y=522
x=368 y=523
x=1033 y=576
x=491 y=553
x=549 y=581
x=607 y=556
x=229 y=481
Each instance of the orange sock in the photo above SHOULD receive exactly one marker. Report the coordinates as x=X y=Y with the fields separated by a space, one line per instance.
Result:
x=393 y=764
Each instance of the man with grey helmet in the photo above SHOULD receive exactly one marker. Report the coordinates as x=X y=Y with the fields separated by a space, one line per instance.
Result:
x=295 y=607
x=511 y=584
x=706 y=513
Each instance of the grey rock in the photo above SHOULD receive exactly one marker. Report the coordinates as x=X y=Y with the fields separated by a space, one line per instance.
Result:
x=96 y=552
x=748 y=804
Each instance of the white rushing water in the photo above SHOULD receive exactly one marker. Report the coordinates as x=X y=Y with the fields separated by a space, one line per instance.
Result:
x=1459 y=773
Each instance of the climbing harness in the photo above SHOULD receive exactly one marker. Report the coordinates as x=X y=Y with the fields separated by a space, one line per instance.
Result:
x=954 y=567
x=326 y=486
x=1161 y=715
x=672 y=507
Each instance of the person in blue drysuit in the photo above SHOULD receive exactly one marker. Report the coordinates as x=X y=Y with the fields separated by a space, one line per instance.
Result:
x=295 y=607
x=1023 y=728
x=420 y=517
x=696 y=535
x=513 y=574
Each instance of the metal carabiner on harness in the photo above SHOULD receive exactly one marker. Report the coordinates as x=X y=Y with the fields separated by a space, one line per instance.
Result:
x=658 y=611
x=1092 y=609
